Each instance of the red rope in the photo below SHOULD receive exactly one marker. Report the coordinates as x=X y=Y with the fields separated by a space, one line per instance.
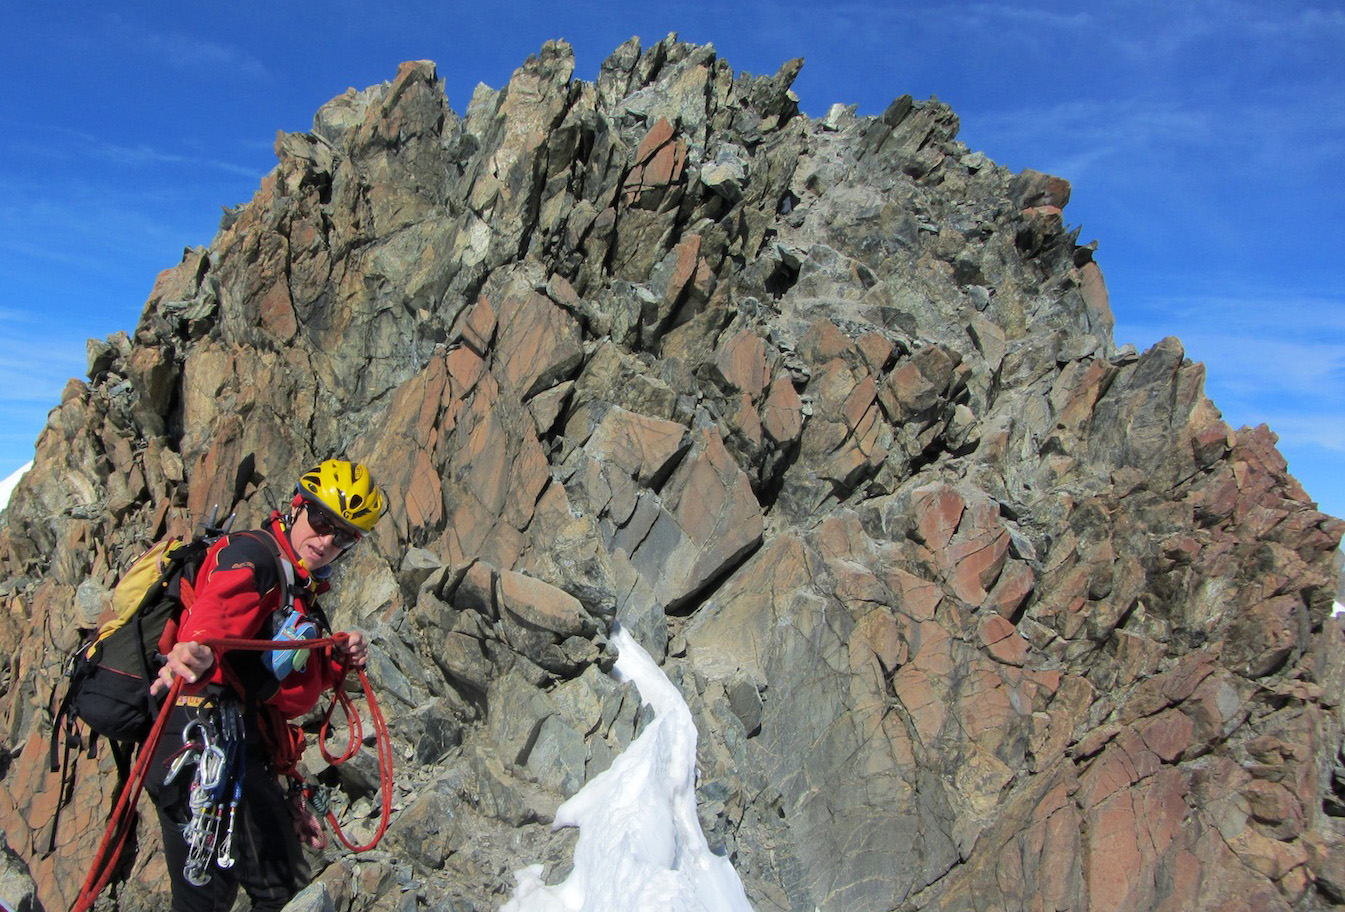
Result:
x=119 y=824
x=384 y=744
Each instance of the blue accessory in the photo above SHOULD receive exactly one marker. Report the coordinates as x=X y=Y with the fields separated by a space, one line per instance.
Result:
x=284 y=661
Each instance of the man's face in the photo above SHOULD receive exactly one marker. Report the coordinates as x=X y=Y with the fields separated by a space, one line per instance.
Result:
x=317 y=539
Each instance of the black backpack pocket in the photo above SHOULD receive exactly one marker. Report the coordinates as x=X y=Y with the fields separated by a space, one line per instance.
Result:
x=113 y=703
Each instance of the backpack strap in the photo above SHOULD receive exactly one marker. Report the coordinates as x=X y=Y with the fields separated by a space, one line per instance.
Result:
x=284 y=569
x=170 y=584
x=64 y=716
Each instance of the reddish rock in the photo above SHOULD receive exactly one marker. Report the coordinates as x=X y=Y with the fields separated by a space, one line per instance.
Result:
x=782 y=412
x=1033 y=188
x=637 y=445
x=916 y=598
x=915 y=688
x=466 y=369
x=1002 y=641
x=741 y=365
x=908 y=391
x=746 y=422
x=276 y=312
x=478 y=326
x=1123 y=762
x=711 y=521
x=938 y=509
x=659 y=135
x=1009 y=619
x=1267 y=634
x=878 y=637
x=976 y=553
x=685 y=268
x=177 y=283
x=1016 y=582
x=858 y=407
x=539 y=344
x=423 y=495
x=824 y=342
x=1276 y=807
x=1168 y=735
x=541 y=605
x=1077 y=390
x=877 y=350
x=1326 y=861
x=658 y=163
x=1095 y=297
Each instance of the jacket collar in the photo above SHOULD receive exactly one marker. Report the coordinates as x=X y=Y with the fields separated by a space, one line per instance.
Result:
x=304 y=579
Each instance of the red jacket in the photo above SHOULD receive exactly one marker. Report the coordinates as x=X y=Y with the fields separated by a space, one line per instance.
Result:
x=238 y=589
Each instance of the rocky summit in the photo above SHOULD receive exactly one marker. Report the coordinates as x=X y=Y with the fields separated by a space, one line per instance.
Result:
x=974 y=609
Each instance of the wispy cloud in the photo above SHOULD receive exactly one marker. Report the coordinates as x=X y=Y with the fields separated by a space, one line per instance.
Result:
x=146 y=156
x=1093 y=136
x=1284 y=138
x=1297 y=428
x=182 y=51
x=18 y=316
x=1156 y=35
x=1309 y=21
x=1227 y=84
x=1273 y=312
x=29 y=383
x=75 y=146
x=33 y=375
x=1305 y=368
x=40 y=359
x=1271 y=357
x=1278 y=333
x=1023 y=18
x=55 y=240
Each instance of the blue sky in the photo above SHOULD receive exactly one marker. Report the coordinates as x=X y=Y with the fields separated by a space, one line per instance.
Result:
x=1205 y=142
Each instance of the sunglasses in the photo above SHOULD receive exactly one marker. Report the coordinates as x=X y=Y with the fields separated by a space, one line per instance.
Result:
x=322 y=524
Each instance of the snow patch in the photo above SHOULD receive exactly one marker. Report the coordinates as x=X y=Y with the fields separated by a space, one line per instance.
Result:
x=640 y=846
x=7 y=486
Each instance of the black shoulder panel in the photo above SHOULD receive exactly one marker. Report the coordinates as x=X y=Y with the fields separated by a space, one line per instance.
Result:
x=255 y=551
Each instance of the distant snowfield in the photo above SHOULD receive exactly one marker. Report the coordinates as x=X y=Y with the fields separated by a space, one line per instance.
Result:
x=7 y=486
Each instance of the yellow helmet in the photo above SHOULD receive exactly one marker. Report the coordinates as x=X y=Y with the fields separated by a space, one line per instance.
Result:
x=346 y=491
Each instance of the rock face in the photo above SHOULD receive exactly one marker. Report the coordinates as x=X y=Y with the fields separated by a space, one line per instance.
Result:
x=974 y=609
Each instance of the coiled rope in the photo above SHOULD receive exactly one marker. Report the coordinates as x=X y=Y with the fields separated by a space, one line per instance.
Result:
x=119 y=826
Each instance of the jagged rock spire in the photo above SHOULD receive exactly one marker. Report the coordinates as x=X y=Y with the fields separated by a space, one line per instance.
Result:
x=976 y=609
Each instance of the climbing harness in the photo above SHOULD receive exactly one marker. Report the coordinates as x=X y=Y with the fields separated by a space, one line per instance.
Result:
x=213 y=744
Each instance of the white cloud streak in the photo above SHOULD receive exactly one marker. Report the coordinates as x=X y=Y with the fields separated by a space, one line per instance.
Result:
x=1306 y=429
x=35 y=369
x=75 y=146
x=181 y=51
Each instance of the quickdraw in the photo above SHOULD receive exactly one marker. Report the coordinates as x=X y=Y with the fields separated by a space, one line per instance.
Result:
x=210 y=752
x=213 y=744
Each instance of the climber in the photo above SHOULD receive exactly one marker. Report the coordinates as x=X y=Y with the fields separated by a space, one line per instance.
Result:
x=215 y=776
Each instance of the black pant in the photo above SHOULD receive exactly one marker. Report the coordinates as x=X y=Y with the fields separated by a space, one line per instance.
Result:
x=269 y=863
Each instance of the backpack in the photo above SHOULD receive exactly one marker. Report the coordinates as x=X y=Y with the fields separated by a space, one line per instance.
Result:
x=109 y=675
